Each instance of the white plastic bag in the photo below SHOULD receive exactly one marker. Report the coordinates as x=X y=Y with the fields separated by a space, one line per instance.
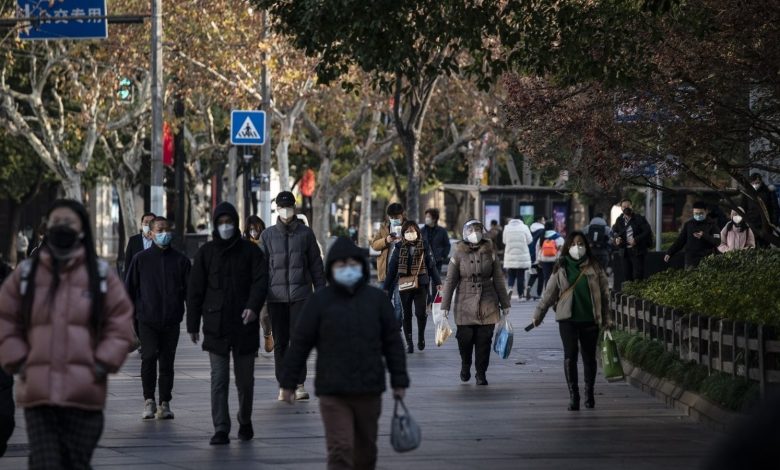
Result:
x=443 y=328
x=436 y=312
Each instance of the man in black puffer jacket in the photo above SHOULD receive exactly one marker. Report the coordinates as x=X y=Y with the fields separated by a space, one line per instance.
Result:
x=295 y=266
x=227 y=289
x=354 y=329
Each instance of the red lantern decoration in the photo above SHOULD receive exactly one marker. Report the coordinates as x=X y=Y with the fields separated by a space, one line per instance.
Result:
x=167 y=145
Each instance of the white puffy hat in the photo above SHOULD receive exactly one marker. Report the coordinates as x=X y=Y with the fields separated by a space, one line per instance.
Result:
x=472 y=226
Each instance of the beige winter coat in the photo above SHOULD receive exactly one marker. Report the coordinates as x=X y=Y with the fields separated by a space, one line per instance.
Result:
x=59 y=350
x=379 y=243
x=476 y=274
x=559 y=283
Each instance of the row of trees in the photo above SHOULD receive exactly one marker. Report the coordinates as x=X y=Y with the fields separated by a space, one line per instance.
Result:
x=405 y=87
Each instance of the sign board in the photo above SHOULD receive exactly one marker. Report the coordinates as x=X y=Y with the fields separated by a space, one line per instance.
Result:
x=55 y=19
x=247 y=127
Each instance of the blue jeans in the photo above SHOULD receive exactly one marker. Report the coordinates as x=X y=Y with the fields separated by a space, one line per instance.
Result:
x=516 y=275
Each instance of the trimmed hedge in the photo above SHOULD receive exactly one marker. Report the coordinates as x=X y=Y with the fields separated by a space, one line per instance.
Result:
x=740 y=285
x=731 y=393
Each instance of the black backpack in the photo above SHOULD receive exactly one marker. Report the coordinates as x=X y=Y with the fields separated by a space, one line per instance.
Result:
x=597 y=237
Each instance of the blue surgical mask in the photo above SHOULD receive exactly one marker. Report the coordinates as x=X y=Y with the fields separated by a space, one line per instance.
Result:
x=226 y=231
x=395 y=222
x=348 y=276
x=699 y=217
x=162 y=238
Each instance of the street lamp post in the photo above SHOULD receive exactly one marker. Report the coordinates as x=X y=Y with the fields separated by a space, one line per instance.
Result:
x=247 y=184
x=157 y=173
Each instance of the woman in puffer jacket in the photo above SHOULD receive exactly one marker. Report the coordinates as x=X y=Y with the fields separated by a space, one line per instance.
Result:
x=736 y=235
x=476 y=274
x=579 y=291
x=517 y=254
x=65 y=323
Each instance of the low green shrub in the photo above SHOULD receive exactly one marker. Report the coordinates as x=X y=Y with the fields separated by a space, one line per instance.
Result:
x=741 y=285
x=650 y=356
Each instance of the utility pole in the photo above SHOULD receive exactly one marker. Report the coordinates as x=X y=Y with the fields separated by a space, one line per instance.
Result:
x=157 y=191
x=247 y=183
x=178 y=144
x=265 y=155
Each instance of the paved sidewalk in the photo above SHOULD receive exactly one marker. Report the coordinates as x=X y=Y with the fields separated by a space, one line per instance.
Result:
x=519 y=421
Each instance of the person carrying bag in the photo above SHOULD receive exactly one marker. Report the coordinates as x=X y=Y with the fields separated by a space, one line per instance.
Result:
x=579 y=291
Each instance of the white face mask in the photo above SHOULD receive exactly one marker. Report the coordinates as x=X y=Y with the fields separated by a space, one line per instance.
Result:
x=474 y=237
x=286 y=213
x=254 y=234
x=226 y=231
x=756 y=186
x=410 y=236
x=429 y=221
x=146 y=229
x=577 y=252
x=737 y=219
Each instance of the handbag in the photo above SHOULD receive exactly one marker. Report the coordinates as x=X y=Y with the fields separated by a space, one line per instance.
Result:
x=405 y=434
x=406 y=283
x=610 y=359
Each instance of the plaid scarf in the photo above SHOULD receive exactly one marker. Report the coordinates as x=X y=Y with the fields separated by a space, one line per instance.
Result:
x=404 y=267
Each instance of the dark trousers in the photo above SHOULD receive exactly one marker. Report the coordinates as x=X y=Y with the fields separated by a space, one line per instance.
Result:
x=519 y=276
x=159 y=346
x=547 y=269
x=474 y=341
x=579 y=337
x=633 y=265
x=7 y=410
x=62 y=438
x=415 y=299
x=602 y=256
x=538 y=277
x=351 y=430
x=244 y=370
x=284 y=318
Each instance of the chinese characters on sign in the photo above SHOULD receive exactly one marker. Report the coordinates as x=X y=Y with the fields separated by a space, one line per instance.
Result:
x=63 y=19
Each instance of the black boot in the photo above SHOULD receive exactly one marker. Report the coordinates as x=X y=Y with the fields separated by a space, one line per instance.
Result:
x=421 y=322
x=465 y=372
x=409 y=343
x=590 y=399
x=481 y=379
x=570 y=369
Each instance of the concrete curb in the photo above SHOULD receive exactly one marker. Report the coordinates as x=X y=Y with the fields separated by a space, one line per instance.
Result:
x=692 y=404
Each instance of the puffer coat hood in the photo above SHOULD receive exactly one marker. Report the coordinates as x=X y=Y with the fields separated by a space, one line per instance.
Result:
x=344 y=248
x=226 y=208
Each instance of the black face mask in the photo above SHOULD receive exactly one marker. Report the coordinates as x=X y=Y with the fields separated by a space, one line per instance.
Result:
x=62 y=240
x=628 y=212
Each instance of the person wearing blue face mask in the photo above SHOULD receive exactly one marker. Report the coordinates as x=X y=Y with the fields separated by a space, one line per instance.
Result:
x=353 y=328
x=157 y=283
x=699 y=238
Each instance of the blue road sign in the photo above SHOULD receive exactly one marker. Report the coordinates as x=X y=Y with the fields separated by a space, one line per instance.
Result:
x=55 y=19
x=247 y=127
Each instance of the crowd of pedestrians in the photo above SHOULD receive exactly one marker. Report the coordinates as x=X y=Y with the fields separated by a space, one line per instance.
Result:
x=67 y=319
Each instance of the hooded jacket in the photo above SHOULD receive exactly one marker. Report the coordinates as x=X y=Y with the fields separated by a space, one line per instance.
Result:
x=59 y=348
x=537 y=230
x=354 y=331
x=157 y=284
x=228 y=276
x=294 y=261
x=476 y=273
x=517 y=238
x=600 y=245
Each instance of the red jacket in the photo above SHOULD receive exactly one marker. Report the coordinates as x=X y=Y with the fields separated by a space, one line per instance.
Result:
x=59 y=350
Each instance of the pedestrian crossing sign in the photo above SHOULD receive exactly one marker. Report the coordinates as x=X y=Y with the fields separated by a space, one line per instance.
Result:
x=247 y=127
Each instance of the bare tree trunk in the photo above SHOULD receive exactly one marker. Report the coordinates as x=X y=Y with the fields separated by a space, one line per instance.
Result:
x=232 y=174
x=127 y=206
x=283 y=151
x=364 y=229
x=321 y=203
x=72 y=187
x=411 y=147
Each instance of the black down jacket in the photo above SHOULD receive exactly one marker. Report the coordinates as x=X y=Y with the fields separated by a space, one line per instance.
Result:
x=294 y=262
x=227 y=277
x=355 y=332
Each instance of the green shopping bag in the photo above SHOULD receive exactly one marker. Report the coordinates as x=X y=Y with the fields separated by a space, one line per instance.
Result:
x=610 y=359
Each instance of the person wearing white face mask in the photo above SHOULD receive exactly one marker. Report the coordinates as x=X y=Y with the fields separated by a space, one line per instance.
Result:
x=579 y=290
x=228 y=287
x=296 y=271
x=699 y=238
x=412 y=260
x=736 y=235
x=475 y=272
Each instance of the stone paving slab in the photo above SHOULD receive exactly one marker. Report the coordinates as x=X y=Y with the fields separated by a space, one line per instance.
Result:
x=518 y=421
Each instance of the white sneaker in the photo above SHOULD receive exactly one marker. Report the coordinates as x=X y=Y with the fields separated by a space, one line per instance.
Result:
x=150 y=408
x=164 y=411
x=281 y=395
x=301 y=393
